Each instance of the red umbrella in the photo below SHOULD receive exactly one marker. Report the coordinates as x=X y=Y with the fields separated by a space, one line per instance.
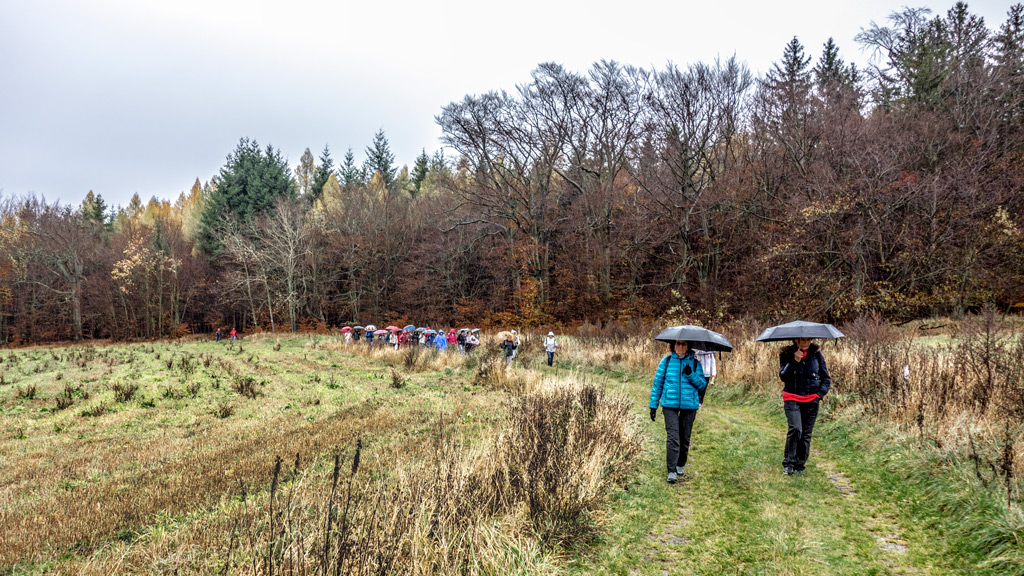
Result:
x=389 y=328
x=346 y=329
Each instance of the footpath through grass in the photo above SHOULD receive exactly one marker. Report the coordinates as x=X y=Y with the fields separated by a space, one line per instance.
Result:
x=738 y=514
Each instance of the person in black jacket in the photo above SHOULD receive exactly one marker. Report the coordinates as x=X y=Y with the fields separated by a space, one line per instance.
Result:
x=806 y=381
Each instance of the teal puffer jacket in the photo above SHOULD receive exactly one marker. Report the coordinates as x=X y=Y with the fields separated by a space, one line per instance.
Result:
x=678 y=382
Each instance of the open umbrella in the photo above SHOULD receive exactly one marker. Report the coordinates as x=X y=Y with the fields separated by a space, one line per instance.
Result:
x=475 y=330
x=699 y=338
x=390 y=328
x=346 y=329
x=408 y=328
x=799 y=329
x=371 y=326
x=505 y=336
x=430 y=332
x=358 y=328
x=420 y=330
x=379 y=332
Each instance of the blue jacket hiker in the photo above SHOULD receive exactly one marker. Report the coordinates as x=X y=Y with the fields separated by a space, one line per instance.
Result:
x=677 y=386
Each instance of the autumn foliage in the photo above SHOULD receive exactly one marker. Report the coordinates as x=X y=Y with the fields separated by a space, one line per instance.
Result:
x=818 y=190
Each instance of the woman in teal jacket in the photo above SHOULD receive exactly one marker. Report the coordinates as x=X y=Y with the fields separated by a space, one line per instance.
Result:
x=677 y=386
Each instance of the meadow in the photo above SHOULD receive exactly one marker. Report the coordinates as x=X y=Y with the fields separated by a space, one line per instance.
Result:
x=301 y=455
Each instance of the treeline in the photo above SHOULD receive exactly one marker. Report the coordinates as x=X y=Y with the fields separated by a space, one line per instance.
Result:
x=819 y=190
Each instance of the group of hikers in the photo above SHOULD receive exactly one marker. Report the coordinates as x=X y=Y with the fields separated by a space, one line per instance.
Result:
x=465 y=339
x=682 y=377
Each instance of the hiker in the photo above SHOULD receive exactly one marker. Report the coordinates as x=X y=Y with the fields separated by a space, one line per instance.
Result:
x=452 y=339
x=806 y=381
x=676 y=387
x=460 y=340
x=515 y=337
x=440 y=341
x=549 y=347
x=369 y=337
x=348 y=337
x=471 y=342
x=709 y=364
x=403 y=340
x=218 y=334
x=234 y=335
x=509 y=346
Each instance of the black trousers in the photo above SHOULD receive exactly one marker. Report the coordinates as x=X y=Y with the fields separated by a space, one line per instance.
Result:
x=801 y=417
x=678 y=426
x=551 y=358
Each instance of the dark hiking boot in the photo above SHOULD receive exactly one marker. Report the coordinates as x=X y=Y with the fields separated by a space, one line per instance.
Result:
x=787 y=470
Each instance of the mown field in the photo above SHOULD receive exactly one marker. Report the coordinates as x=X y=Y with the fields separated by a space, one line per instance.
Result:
x=301 y=455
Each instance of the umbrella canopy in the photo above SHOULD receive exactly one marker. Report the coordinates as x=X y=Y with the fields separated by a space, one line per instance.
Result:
x=408 y=328
x=420 y=330
x=379 y=332
x=799 y=329
x=506 y=335
x=390 y=328
x=358 y=328
x=430 y=332
x=371 y=326
x=699 y=338
x=346 y=329
x=475 y=330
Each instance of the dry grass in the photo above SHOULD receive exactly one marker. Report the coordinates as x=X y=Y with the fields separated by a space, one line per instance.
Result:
x=451 y=481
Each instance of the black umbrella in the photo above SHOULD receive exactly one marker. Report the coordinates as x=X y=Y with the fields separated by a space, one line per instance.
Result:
x=799 y=329
x=699 y=338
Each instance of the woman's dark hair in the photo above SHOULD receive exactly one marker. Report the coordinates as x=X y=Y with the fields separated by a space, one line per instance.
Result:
x=672 y=346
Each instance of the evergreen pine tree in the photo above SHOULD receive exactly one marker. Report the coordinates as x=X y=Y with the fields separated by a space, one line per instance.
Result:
x=419 y=171
x=379 y=158
x=351 y=175
x=323 y=172
x=248 y=185
x=94 y=208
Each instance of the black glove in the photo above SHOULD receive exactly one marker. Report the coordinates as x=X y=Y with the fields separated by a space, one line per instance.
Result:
x=654 y=413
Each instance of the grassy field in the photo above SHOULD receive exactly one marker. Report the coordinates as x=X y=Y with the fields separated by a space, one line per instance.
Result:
x=300 y=455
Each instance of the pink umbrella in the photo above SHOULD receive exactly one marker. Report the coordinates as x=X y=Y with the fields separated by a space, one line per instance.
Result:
x=379 y=332
x=346 y=329
x=389 y=328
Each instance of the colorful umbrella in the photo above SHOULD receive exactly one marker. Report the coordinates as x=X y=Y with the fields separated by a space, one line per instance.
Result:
x=390 y=328
x=346 y=329
x=359 y=328
x=408 y=328
x=379 y=332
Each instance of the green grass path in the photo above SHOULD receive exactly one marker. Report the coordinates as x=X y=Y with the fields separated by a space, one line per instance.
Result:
x=738 y=514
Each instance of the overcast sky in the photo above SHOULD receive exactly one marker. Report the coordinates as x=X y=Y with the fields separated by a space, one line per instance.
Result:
x=125 y=96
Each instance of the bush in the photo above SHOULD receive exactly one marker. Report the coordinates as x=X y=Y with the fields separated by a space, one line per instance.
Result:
x=124 y=392
x=245 y=386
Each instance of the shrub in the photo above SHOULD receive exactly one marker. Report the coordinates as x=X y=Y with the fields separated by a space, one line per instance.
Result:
x=26 y=393
x=397 y=381
x=65 y=399
x=224 y=410
x=245 y=386
x=96 y=411
x=124 y=392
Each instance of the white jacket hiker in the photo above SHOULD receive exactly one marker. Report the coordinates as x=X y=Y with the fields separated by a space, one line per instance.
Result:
x=549 y=347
